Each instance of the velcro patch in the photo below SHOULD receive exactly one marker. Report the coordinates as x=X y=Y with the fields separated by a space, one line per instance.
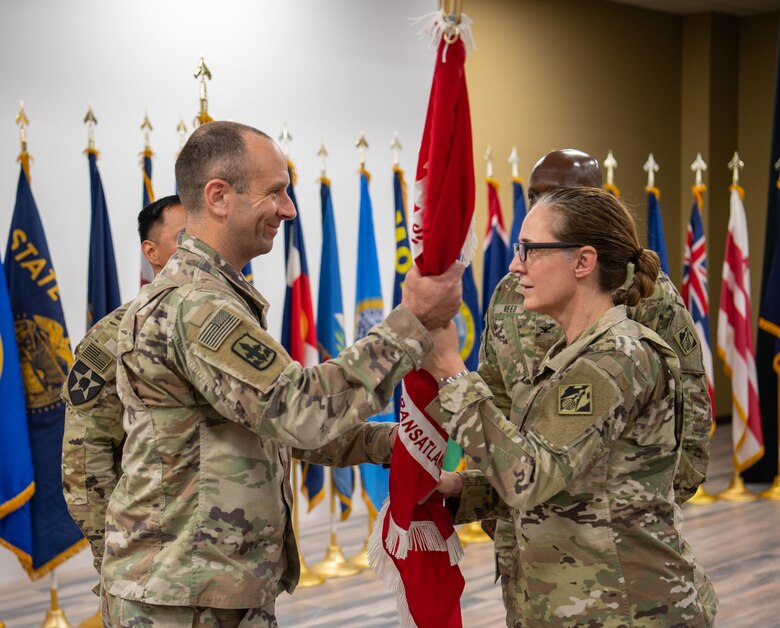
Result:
x=575 y=399
x=506 y=308
x=686 y=340
x=214 y=334
x=254 y=352
x=94 y=356
x=84 y=384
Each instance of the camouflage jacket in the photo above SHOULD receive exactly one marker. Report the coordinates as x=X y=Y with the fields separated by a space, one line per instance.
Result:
x=588 y=472
x=201 y=513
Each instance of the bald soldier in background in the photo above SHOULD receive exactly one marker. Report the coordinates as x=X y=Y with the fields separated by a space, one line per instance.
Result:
x=515 y=341
x=92 y=442
x=198 y=529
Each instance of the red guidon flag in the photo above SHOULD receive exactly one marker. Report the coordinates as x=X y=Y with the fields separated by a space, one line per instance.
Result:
x=414 y=547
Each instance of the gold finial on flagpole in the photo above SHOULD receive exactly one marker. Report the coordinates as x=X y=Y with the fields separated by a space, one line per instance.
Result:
x=735 y=165
x=611 y=164
x=90 y=120
x=146 y=127
x=285 y=138
x=307 y=578
x=24 y=156
x=650 y=167
x=514 y=160
x=181 y=129
x=698 y=166
x=202 y=72
x=322 y=153
x=396 y=147
x=361 y=144
x=488 y=157
x=55 y=616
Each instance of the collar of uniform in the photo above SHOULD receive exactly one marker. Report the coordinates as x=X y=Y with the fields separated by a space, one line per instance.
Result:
x=561 y=355
x=217 y=265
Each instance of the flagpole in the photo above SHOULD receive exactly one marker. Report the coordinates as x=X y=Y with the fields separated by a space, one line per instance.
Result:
x=334 y=565
x=202 y=72
x=307 y=578
x=24 y=156
x=55 y=616
x=610 y=165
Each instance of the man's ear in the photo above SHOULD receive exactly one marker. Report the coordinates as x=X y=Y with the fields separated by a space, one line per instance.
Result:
x=149 y=250
x=585 y=262
x=216 y=195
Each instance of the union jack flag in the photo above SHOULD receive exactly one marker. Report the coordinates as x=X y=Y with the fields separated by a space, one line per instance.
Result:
x=694 y=285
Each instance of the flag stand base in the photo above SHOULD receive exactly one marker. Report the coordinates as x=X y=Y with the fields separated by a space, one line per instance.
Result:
x=360 y=560
x=335 y=565
x=308 y=577
x=736 y=492
x=773 y=492
x=55 y=616
x=96 y=621
x=472 y=533
x=701 y=496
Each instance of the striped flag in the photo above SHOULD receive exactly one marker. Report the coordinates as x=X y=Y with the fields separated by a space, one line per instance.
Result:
x=147 y=274
x=495 y=247
x=694 y=284
x=735 y=339
x=403 y=254
x=518 y=196
x=655 y=227
x=330 y=327
x=299 y=335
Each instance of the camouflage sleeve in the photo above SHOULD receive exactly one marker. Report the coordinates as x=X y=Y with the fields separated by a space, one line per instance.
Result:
x=478 y=500
x=488 y=367
x=368 y=442
x=527 y=469
x=248 y=377
x=91 y=452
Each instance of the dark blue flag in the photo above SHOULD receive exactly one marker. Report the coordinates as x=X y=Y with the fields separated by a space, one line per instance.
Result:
x=45 y=358
x=331 y=337
x=495 y=246
x=518 y=197
x=102 y=283
x=655 y=227
x=403 y=253
x=147 y=274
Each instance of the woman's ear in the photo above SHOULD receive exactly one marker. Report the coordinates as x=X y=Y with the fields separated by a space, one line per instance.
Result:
x=585 y=262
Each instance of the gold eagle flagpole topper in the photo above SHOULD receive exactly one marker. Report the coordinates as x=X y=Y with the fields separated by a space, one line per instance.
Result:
x=202 y=72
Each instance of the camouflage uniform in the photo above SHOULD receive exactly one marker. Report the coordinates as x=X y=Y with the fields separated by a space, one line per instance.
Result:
x=513 y=345
x=588 y=472
x=200 y=516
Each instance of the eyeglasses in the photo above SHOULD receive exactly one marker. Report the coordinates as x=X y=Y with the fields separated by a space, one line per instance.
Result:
x=521 y=248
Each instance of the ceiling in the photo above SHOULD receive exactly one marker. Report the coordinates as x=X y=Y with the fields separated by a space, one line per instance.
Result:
x=730 y=7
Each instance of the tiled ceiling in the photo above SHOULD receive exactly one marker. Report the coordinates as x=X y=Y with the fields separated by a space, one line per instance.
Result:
x=730 y=7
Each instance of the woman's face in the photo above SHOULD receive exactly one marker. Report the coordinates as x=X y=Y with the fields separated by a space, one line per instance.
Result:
x=547 y=274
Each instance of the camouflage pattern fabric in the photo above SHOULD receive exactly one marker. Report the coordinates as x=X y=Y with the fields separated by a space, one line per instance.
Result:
x=588 y=471
x=213 y=405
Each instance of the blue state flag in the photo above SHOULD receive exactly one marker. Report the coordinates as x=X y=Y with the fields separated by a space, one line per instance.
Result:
x=369 y=311
x=496 y=245
x=45 y=359
x=403 y=254
x=102 y=283
x=519 y=212
x=147 y=196
x=655 y=227
x=331 y=337
x=17 y=483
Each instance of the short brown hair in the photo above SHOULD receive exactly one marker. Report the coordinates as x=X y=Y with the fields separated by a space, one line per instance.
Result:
x=591 y=216
x=215 y=150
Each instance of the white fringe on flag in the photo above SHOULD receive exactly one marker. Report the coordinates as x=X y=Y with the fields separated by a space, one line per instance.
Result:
x=470 y=243
x=435 y=25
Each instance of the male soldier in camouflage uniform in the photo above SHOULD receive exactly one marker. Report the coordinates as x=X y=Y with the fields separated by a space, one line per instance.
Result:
x=515 y=341
x=92 y=443
x=198 y=528
x=575 y=521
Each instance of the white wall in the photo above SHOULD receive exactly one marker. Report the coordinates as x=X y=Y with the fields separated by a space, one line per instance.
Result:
x=327 y=69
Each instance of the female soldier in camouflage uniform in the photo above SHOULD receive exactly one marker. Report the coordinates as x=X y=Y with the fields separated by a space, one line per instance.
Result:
x=588 y=473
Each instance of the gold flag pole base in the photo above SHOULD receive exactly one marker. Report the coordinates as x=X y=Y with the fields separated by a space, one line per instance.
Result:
x=701 y=496
x=335 y=565
x=96 y=621
x=360 y=560
x=736 y=492
x=55 y=616
x=773 y=492
x=472 y=533
x=308 y=578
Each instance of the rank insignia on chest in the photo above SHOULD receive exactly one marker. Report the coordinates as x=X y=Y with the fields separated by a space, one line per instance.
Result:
x=686 y=339
x=84 y=384
x=575 y=399
x=254 y=352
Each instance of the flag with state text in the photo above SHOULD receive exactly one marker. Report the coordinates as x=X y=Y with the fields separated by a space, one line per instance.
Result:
x=331 y=336
x=655 y=227
x=299 y=334
x=735 y=339
x=369 y=311
x=694 y=284
x=495 y=246
x=102 y=283
x=403 y=254
x=45 y=358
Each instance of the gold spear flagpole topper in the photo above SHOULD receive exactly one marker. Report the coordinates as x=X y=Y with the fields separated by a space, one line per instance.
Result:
x=90 y=120
x=514 y=160
x=285 y=138
x=361 y=144
x=181 y=129
x=202 y=72
x=650 y=167
x=396 y=147
x=611 y=164
x=146 y=127
x=698 y=166
x=735 y=165
x=488 y=157
x=322 y=153
x=24 y=156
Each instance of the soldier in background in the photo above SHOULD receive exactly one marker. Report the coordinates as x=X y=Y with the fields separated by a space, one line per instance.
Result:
x=198 y=528
x=587 y=467
x=92 y=443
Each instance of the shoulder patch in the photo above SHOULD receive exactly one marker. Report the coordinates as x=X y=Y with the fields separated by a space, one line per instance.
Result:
x=575 y=399
x=84 y=384
x=218 y=329
x=95 y=357
x=254 y=352
x=686 y=340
